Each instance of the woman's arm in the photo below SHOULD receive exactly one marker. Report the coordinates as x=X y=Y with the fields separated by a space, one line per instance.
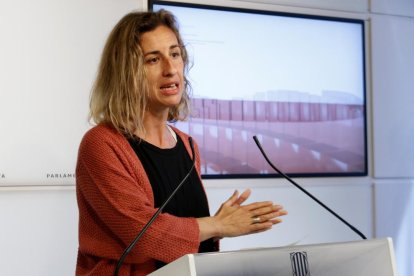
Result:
x=115 y=202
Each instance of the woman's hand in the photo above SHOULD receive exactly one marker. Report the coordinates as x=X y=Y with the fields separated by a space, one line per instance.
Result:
x=234 y=219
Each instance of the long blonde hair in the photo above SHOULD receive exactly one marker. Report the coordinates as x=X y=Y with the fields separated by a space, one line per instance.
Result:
x=120 y=92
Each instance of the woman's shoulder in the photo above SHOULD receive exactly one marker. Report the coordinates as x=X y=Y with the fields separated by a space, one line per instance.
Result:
x=101 y=134
x=102 y=131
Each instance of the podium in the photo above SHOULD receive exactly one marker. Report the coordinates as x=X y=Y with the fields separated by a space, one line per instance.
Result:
x=355 y=258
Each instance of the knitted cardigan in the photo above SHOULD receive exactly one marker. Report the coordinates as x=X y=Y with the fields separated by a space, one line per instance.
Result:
x=115 y=201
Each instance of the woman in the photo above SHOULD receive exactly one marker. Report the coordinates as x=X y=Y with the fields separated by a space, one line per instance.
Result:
x=132 y=160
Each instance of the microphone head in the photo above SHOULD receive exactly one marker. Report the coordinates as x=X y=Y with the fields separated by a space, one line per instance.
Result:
x=256 y=139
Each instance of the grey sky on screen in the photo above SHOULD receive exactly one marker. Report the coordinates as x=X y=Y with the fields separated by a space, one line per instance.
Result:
x=243 y=55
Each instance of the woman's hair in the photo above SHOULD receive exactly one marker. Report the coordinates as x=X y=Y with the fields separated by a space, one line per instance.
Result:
x=120 y=92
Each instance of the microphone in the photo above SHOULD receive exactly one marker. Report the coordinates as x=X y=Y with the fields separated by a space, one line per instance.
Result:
x=156 y=214
x=306 y=192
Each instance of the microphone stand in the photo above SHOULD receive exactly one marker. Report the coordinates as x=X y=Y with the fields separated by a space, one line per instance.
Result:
x=306 y=192
x=144 y=229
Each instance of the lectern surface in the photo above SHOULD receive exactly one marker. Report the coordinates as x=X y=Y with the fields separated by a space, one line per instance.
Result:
x=357 y=258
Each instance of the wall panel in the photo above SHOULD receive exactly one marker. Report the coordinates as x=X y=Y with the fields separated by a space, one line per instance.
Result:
x=393 y=96
x=49 y=54
x=394 y=217
x=394 y=7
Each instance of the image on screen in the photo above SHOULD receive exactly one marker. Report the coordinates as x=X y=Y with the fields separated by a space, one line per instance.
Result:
x=295 y=81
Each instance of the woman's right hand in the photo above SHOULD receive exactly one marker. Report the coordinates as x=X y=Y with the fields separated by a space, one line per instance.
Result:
x=234 y=219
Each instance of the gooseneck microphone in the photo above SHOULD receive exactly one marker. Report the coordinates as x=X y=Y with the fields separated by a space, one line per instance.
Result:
x=156 y=214
x=305 y=191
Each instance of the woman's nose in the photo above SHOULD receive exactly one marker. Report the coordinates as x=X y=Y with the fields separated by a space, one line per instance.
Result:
x=169 y=67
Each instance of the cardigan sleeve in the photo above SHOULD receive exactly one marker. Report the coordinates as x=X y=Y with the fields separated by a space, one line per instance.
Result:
x=115 y=202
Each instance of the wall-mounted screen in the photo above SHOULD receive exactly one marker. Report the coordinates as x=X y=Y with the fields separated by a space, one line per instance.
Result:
x=296 y=81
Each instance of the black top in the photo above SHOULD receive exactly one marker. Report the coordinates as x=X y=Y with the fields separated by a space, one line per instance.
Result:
x=166 y=168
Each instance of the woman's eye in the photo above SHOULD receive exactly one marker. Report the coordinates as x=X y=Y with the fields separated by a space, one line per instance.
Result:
x=152 y=60
x=176 y=54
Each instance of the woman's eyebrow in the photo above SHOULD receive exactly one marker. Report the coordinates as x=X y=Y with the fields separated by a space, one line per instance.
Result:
x=155 y=52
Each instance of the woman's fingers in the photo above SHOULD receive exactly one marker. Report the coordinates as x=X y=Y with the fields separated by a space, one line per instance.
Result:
x=260 y=227
x=272 y=216
x=232 y=199
x=268 y=214
x=258 y=209
x=234 y=219
x=257 y=205
x=236 y=200
x=243 y=197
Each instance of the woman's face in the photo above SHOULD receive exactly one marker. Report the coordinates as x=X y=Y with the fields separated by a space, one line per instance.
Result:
x=164 y=66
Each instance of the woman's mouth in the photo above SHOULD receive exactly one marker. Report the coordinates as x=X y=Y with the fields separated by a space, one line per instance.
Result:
x=169 y=89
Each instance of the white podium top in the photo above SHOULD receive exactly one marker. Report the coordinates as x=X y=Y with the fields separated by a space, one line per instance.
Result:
x=356 y=258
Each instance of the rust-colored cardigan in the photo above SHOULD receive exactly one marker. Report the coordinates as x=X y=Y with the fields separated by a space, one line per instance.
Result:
x=115 y=201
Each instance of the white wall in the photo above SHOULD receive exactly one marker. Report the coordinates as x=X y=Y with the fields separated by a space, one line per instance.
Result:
x=49 y=52
x=392 y=40
x=394 y=217
x=38 y=233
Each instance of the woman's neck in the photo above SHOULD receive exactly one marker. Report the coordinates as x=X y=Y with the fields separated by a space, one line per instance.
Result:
x=156 y=132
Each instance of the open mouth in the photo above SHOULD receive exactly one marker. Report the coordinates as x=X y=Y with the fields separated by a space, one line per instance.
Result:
x=169 y=88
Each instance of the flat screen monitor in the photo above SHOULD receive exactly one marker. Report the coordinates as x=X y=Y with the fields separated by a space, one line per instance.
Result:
x=296 y=81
